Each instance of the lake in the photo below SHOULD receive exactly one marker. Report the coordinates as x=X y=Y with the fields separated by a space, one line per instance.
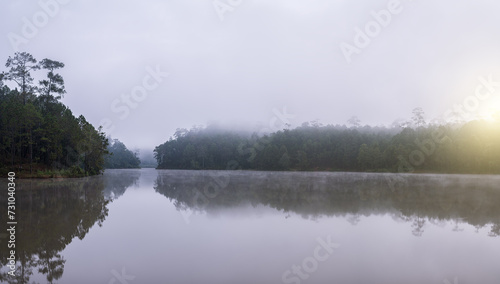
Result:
x=164 y=226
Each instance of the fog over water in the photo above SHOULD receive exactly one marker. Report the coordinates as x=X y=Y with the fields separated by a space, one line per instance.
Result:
x=201 y=62
x=164 y=226
x=363 y=90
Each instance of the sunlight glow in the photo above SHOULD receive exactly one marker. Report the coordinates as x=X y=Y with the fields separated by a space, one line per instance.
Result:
x=491 y=111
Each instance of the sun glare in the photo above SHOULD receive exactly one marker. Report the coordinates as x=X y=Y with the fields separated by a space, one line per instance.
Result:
x=491 y=110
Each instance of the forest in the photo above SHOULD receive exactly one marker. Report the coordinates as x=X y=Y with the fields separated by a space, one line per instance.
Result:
x=467 y=147
x=39 y=135
x=120 y=157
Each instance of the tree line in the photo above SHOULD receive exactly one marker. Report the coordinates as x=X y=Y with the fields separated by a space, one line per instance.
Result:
x=40 y=136
x=120 y=157
x=472 y=147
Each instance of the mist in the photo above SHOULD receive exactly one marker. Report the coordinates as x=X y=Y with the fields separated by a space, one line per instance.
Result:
x=144 y=70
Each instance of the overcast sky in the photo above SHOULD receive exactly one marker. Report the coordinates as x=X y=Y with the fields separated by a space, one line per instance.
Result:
x=249 y=61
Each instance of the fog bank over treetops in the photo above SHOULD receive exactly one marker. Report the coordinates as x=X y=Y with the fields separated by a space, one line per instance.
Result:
x=144 y=70
x=469 y=147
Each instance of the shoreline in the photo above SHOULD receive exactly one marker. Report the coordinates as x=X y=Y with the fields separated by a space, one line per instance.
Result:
x=58 y=175
x=336 y=171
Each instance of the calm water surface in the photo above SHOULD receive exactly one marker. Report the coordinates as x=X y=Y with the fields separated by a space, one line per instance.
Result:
x=148 y=226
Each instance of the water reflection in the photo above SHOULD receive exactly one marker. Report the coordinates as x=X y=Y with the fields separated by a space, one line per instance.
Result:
x=417 y=199
x=118 y=181
x=51 y=213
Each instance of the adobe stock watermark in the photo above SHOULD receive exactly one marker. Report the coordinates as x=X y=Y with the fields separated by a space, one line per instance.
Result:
x=222 y=7
x=122 y=278
x=486 y=89
x=310 y=264
x=426 y=148
x=123 y=105
x=363 y=36
x=30 y=28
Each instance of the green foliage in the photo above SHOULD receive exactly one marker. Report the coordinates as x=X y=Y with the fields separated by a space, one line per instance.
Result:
x=20 y=67
x=470 y=148
x=121 y=157
x=54 y=82
x=198 y=149
x=39 y=134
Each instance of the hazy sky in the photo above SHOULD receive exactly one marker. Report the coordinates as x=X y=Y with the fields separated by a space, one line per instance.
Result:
x=244 y=61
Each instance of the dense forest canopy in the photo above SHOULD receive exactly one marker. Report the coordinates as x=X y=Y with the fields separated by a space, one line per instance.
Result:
x=39 y=135
x=415 y=146
x=120 y=157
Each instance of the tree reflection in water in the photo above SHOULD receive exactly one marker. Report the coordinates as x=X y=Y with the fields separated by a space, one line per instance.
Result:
x=50 y=214
x=421 y=199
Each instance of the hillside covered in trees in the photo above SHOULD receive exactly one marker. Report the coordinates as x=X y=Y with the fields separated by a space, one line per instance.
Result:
x=120 y=157
x=40 y=136
x=472 y=147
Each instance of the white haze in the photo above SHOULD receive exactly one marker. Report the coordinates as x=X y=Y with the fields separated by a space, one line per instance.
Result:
x=264 y=56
